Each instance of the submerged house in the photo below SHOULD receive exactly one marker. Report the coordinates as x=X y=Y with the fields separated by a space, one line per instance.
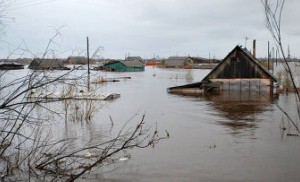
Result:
x=239 y=71
x=124 y=66
x=134 y=58
x=47 y=64
x=77 y=60
x=11 y=66
x=178 y=62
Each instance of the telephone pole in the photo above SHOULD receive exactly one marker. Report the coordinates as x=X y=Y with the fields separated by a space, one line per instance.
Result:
x=88 y=61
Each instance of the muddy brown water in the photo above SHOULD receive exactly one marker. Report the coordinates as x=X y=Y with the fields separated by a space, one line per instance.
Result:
x=230 y=137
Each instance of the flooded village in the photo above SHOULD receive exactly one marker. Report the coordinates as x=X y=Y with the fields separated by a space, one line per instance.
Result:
x=88 y=115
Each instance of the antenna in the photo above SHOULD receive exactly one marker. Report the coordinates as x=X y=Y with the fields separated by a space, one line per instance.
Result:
x=246 y=39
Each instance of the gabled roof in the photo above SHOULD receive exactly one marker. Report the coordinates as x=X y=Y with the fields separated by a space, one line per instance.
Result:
x=134 y=57
x=251 y=58
x=176 y=61
x=133 y=64
x=46 y=63
x=129 y=64
x=78 y=59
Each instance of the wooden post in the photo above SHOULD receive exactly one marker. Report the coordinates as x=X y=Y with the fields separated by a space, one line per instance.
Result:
x=276 y=56
x=249 y=85
x=254 y=48
x=88 y=61
x=271 y=87
x=259 y=85
x=240 y=85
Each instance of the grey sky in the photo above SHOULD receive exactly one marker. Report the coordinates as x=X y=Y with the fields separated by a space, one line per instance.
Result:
x=147 y=27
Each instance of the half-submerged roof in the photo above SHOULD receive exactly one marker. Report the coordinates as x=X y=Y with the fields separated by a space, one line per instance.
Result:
x=176 y=61
x=133 y=64
x=129 y=64
x=46 y=63
x=239 y=55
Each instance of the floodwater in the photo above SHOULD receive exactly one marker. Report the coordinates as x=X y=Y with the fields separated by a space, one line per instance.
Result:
x=229 y=137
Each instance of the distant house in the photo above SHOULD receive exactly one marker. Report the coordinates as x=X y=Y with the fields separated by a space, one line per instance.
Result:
x=124 y=66
x=239 y=70
x=134 y=58
x=177 y=62
x=47 y=64
x=11 y=66
x=200 y=60
x=151 y=62
x=77 y=60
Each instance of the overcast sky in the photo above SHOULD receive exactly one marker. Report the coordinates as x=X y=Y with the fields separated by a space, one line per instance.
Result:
x=146 y=27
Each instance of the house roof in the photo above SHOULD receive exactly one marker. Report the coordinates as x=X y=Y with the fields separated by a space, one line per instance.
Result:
x=132 y=64
x=131 y=58
x=176 y=61
x=129 y=64
x=78 y=59
x=251 y=58
x=47 y=63
x=10 y=64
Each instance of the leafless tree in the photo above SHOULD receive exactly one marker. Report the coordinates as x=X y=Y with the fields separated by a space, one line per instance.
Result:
x=273 y=12
x=28 y=149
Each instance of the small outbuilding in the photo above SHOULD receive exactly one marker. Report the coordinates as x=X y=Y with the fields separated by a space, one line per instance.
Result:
x=11 y=66
x=124 y=66
x=47 y=64
x=239 y=70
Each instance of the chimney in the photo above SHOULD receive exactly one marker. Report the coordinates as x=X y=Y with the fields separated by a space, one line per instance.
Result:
x=254 y=48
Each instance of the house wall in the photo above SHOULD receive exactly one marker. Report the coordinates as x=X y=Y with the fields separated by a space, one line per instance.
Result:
x=239 y=73
x=238 y=65
x=257 y=85
x=136 y=69
x=119 y=67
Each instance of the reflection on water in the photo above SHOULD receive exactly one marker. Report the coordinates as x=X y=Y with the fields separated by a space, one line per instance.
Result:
x=240 y=108
x=230 y=121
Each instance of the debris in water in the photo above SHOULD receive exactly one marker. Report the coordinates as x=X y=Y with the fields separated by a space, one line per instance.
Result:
x=76 y=96
x=125 y=158
x=88 y=155
x=213 y=146
x=292 y=134
x=168 y=134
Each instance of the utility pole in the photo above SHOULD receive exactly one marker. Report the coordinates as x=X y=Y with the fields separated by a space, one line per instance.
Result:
x=276 y=56
x=88 y=61
x=289 y=53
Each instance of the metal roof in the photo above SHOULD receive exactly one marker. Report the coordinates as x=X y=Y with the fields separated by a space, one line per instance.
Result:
x=133 y=64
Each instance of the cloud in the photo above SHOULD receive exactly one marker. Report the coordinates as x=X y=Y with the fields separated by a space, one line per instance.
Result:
x=144 y=27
